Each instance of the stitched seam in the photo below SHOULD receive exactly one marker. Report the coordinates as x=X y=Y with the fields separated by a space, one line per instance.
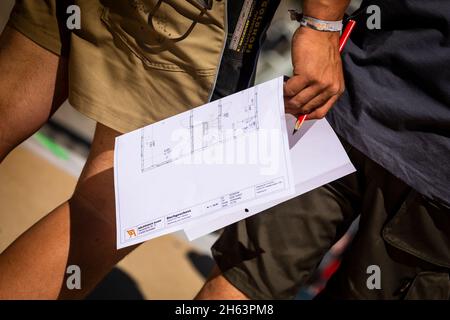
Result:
x=144 y=59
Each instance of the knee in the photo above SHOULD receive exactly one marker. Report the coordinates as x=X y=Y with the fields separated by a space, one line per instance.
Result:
x=217 y=287
x=93 y=202
x=90 y=205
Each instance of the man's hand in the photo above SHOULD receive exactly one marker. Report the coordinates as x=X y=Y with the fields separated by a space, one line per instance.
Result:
x=318 y=80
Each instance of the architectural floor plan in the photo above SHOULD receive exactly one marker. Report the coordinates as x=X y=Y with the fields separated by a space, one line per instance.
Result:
x=227 y=155
x=221 y=122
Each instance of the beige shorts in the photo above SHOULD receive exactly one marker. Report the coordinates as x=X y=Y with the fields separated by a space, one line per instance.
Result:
x=132 y=62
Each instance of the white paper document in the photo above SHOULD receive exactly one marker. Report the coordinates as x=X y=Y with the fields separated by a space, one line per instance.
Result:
x=317 y=158
x=219 y=159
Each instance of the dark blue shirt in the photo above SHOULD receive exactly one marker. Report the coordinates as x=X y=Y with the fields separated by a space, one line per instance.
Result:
x=396 y=108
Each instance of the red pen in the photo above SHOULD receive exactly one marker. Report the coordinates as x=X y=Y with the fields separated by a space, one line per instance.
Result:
x=342 y=41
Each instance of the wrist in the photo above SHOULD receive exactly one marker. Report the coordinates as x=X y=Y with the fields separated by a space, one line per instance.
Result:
x=311 y=33
x=321 y=25
x=316 y=39
x=332 y=10
x=315 y=23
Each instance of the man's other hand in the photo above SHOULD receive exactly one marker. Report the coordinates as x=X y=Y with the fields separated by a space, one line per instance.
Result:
x=318 y=79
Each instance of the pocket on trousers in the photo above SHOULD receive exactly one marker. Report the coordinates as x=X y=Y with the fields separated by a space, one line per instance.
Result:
x=422 y=229
x=429 y=286
x=131 y=27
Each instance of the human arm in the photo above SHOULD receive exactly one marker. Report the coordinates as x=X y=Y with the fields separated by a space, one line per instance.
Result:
x=317 y=80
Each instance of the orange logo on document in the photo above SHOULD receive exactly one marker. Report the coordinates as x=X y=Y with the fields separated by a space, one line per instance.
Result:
x=131 y=233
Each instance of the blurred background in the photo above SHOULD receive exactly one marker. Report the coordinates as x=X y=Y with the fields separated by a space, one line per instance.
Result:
x=42 y=173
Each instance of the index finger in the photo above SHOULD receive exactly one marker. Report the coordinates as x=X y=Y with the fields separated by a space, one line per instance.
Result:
x=294 y=85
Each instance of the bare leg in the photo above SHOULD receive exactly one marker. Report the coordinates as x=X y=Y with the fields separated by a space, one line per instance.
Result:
x=33 y=84
x=217 y=287
x=79 y=232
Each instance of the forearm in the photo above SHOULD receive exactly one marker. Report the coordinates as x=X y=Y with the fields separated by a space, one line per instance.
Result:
x=325 y=9
x=317 y=80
